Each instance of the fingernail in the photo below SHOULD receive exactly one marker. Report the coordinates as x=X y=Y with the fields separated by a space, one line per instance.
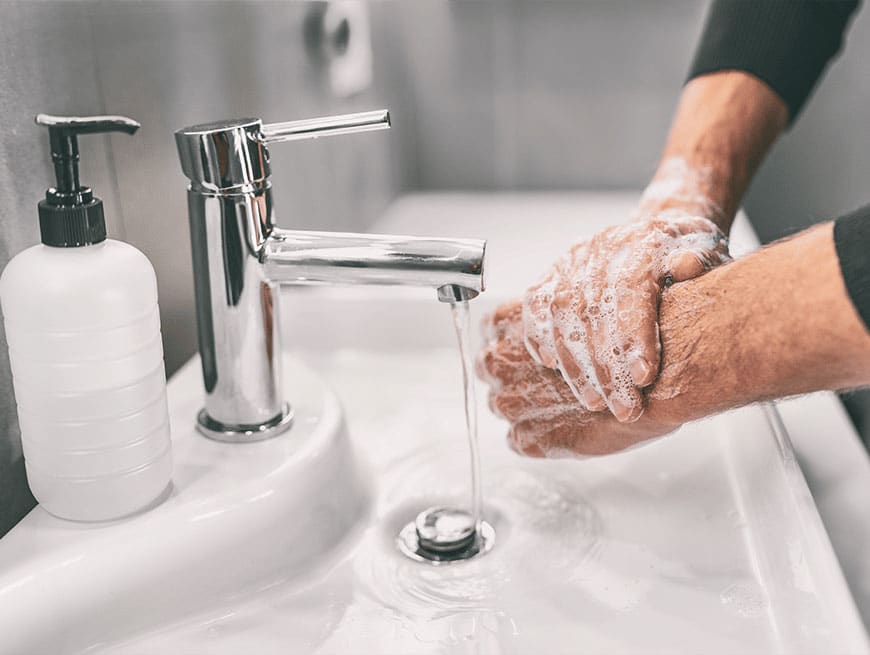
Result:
x=625 y=413
x=640 y=371
x=593 y=401
x=532 y=349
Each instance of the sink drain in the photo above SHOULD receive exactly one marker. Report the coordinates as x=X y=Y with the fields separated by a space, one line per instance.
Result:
x=442 y=534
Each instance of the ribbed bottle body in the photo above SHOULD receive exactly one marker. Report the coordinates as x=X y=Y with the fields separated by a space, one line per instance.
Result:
x=83 y=331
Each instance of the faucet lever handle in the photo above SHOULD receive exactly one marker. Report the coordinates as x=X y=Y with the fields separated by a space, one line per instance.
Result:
x=311 y=128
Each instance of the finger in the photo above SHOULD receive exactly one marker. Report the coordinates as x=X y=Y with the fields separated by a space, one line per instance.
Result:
x=682 y=265
x=511 y=406
x=606 y=340
x=495 y=325
x=493 y=406
x=481 y=370
x=637 y=327
x=579 y=433
x=576 y=378
x=487 y=329
x=537 y=322
x=624 y=399
x=540 y=397
x=538 y=302
x=595 y=346
x=645 y=362
x=522 y=445
x=561 y=434
x=504 y=362
x=507 y=313
x=493 y=368
x=570 y=339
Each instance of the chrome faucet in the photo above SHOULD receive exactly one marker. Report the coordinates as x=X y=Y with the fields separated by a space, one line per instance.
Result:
x=240 y=258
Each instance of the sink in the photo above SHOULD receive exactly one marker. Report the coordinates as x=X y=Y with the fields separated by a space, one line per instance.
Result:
x=705 y=541
x=237 y=520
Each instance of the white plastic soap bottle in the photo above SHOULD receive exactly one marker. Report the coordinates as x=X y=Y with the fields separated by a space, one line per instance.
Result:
x=83 y=331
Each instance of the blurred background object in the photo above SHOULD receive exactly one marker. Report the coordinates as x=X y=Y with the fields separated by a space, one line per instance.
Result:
x=484 y=95
x=338 y=39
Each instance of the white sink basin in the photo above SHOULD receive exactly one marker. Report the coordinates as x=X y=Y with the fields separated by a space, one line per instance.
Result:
x=239 y=519
x=706 y=541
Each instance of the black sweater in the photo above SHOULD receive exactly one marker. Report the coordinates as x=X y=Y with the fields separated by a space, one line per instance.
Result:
x=787 y=44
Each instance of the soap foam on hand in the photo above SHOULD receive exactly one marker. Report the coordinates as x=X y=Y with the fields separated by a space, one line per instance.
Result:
x=594 y=316
x=542 y=410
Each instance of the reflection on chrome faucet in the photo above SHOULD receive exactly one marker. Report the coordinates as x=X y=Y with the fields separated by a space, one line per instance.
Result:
x=240 y=258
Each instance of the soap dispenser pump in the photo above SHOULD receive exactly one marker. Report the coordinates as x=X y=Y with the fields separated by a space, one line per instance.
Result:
x=83 y=330
x=70 y=215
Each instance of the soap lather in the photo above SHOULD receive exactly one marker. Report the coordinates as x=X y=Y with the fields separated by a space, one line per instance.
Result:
x=83 y=330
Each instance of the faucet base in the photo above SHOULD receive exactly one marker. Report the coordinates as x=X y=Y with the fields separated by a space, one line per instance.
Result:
x=219 y=431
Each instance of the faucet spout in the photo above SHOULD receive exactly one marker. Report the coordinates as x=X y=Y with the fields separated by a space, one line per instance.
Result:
x=299 y=257
x=452 y=293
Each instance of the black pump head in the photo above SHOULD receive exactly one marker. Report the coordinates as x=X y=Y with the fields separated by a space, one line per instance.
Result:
x=70 y=215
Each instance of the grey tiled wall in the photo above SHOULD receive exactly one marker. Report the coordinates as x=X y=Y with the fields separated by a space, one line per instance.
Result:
x=545 y=95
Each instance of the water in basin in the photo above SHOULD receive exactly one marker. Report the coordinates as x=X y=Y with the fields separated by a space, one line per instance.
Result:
x=666 y=548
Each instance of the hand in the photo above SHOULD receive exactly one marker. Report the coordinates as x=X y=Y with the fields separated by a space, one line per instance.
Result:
x=594 y=317
x=776 y=323
x=546 y=419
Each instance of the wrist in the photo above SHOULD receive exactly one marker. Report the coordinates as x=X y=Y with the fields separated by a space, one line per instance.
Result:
x=679 y=189
x=723 y=126
x=776 y=323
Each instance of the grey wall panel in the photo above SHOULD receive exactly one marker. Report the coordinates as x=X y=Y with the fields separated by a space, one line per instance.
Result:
x=42 y=47
x=546 y=95
x=176 y=64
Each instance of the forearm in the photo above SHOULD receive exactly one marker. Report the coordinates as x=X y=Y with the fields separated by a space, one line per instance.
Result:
x=724 y=125
x=776 y=323
x=754 y=69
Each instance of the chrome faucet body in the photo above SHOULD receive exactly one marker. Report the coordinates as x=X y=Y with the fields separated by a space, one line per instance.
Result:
x=240 y=258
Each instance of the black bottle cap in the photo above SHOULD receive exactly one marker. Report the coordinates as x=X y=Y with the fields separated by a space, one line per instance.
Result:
x=70 y=215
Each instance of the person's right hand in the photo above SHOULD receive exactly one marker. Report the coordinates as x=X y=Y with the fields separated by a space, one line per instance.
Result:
x=594 y=317
x=546 y=420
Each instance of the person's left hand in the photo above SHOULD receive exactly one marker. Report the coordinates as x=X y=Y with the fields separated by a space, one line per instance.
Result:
x=546 y=418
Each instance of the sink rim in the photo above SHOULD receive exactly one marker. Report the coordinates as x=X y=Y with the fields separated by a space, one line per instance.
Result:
x=227 y=511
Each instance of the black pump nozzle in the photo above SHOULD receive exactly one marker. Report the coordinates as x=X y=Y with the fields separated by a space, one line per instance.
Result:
x=70 y=215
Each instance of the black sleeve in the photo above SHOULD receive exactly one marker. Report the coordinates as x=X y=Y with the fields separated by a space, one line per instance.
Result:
x=784 y=43
x=852 y=240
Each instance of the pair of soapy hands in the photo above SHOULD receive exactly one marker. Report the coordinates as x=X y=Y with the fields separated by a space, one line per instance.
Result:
x=567 y=366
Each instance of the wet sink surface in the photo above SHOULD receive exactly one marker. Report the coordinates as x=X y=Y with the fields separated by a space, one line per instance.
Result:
x=706 y=541
x=692 y=544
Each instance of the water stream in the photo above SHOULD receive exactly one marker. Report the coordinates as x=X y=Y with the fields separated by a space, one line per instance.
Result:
x=447 y=534
x=462 y=325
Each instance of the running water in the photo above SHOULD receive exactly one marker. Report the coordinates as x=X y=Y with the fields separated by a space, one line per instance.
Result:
x=462 y=324
x=447 y=534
